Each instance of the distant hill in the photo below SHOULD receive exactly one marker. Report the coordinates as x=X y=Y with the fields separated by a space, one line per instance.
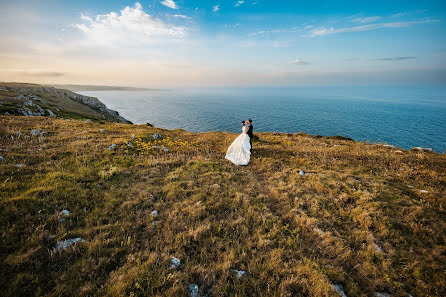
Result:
x=39 y=100
x=77 y=88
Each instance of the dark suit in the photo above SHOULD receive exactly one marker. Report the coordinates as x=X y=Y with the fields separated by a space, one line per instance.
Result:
x=249 y=132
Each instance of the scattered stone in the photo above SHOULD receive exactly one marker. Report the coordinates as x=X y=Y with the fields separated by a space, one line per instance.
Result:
x=35 y=132
x=377 y=248
x=193 y=290
x=129 y=144
x=154 y=223
x=101 y=130
x=2 y=158
x=88 y=121
x=410 y=187
x=112 y=147
x=340 y=289
x=150 y=125
x=381 y=294
x=64 y=212
x=165 y=149
x=156 y=136
x=301 y=172
x=388 y=145
x=423 y=149
x=398 y=152
x=6 y=113
x=64 y=244
x=319 y=231
x=239 y=273
x=51 y=113
x=133 y=136
x=154 y=213
x=29 y=103
x=155 y=147
x=423 y=191
x=175 y=262
x=19 y=165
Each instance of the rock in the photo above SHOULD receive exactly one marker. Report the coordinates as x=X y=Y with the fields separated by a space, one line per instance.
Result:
x=381 y=294
x=2 y=158
x=35 y=132
x=88 y=121
x=129 y=144
x=133 y=136
x=319 y=231
x=64 y=212
x=101 y=130
x=51 y=113
x=154 y=213
x=155 y=147
x=340 y=290
x=29 y=103
x=165 y=149
x=19 y=165
x=388 y=145
x=156 y=136
x=423 y=149
x=377 y=248
x=64 y=244
x=193 y=290
x=410 y=187
x=175 y=262
x=423 y=191
x=301 y=172
x=150 y=125
x=398 y=152
x=112 y=147
x=6 y=113
x=155 y=222
x=239 y=273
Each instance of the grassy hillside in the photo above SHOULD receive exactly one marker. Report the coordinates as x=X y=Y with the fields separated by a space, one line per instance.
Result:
x=367 y=217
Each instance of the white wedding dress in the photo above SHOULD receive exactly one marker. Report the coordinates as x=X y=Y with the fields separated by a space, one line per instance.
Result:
x=239 y=152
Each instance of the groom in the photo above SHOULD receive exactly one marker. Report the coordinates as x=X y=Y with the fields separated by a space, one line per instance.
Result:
x=249 y=132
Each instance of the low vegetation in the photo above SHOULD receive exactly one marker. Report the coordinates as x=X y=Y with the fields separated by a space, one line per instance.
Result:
x=368 y=217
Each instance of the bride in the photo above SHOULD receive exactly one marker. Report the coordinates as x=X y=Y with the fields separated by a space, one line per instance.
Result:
x=239 y=152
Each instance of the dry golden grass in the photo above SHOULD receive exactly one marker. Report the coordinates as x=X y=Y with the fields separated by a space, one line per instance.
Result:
x=293 y=235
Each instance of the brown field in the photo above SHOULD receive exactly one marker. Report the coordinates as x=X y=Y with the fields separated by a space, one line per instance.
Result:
x=357 y=218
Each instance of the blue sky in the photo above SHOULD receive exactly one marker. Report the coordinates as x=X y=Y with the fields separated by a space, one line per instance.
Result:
x=256 y=42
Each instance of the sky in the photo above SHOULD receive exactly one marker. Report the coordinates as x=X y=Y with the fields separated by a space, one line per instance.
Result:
x=160 y=43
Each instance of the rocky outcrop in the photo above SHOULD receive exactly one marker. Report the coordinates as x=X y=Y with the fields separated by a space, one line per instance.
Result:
x=27 y=100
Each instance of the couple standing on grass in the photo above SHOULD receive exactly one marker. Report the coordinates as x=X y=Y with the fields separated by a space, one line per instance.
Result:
x=239 y=152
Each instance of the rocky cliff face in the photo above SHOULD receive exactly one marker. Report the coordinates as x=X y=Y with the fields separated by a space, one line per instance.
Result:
x=36 y=100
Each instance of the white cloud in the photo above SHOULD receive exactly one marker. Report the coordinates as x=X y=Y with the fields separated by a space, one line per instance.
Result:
x=366 y=19
x=394 y=59
x=130 y=25
x=328 y=31
x=181 y=16
x=239 y=3
x=299 y=62
x=169 y=3
x=216 y=8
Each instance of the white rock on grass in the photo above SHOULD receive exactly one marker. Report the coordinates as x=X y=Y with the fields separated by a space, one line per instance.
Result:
x=193 y=290
x=101 y=130
x=19 y=165
x=340 y=289
x=64 y=244
x=319 y=231
x=35 y=132
x=64 y=212
x=378 y=248
x=165 y=149
x=112 y=147
x=301 y=172
x=133 y=136
x=2 y=158
x=239 y=273
x=154 y=213
x=382 y=294
x=175 y=262
x=88 y=121
x=423 y=191
x=423 y=149
x=156 y=136
x=51 y=113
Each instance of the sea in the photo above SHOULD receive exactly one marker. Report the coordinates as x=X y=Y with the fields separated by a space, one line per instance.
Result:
x=403 y=116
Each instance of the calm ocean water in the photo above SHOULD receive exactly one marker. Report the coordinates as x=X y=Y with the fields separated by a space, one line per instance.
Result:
x=402 y=116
